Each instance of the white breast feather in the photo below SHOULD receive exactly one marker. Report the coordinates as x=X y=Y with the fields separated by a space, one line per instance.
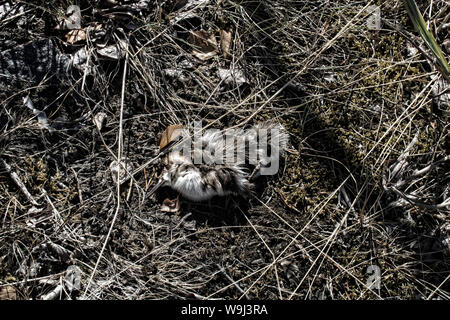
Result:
x=190 y=186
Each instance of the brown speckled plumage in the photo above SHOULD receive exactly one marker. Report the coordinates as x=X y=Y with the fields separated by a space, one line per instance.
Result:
x=199 y=182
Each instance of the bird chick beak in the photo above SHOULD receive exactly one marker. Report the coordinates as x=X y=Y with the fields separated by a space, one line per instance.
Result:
x=156 y=186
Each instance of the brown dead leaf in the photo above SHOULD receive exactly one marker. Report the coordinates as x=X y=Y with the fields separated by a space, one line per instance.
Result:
x=170 y=134
x=170 y=205
x=204 y=44
x=74 y=36
x=225 y=42
x=79 y=35
x=8 y=293
x=112 y=52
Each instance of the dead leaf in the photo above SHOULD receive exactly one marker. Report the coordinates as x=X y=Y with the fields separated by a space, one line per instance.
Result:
x=232 y=76
x=113 y=52
x=122 y=169
x=75 y=36
x=8 y=293
x=182 y=10
x=170 y=205
x=73 y=20
x=170 y=134
x=80 y=59
x=204 y=44
x=225 y=42
x=79 y=35
x=99 y=120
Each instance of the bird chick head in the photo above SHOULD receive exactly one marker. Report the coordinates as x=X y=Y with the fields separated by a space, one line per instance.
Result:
x=173 y=162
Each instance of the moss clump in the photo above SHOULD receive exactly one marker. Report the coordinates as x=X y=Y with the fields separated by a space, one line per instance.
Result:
x=5 y=275
x=40 y=177
x=303 y=183
x=37 y=174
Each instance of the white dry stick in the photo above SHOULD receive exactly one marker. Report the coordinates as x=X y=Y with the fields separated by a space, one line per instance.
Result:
x=438 y=288
x=401 y=161
x=56 y=215
x=349 y=205
x=19 y=183
x=119 y=158
x=54 y=294
x=62 y=252
x=222 y=269
x=72 y=278
x=39 y=279
x=86 y=69
x=395 y=172
x=413 y=200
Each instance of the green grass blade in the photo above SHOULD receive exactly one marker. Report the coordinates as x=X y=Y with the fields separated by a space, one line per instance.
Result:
x=427 y=36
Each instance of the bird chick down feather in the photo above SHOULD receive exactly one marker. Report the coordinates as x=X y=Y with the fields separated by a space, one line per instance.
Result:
x=201 y=182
